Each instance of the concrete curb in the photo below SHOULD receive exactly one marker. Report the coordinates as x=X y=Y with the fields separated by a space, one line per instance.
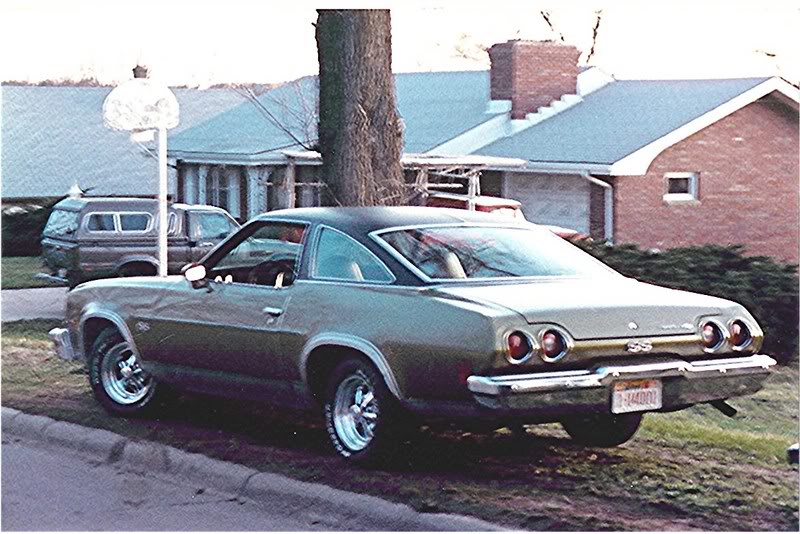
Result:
x=225 y=476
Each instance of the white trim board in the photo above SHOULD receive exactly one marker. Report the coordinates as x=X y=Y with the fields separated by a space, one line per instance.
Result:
x=637 y=162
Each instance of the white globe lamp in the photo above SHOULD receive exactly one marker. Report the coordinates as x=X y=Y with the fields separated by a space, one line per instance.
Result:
x=142 y=106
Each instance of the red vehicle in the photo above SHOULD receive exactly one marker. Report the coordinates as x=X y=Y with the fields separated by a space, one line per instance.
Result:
x=496 y=205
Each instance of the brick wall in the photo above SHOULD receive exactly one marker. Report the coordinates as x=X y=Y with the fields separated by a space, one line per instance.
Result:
x=532 y=74
x=748 y=187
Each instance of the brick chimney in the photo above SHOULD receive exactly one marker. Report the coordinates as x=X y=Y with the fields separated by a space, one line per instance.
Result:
x=531 y=74
x=140 y=71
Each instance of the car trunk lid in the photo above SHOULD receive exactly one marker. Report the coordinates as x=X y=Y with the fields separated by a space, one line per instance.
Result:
x=595 y=309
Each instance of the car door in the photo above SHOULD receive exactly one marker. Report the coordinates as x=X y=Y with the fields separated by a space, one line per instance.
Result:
x=233 y=326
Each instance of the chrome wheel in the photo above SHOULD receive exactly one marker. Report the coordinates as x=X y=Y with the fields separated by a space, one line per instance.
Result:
x=355 y=412
x=121 y=377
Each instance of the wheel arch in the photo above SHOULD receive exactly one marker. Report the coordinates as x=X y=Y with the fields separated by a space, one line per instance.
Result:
x=323 y=352
x=94 y=320
x=136 y=260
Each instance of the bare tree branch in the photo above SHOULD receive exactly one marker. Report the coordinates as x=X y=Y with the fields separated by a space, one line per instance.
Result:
x=598 y=17
x=546 y=16
x=248 y=94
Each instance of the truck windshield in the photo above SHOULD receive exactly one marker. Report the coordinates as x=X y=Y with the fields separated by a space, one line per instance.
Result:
x=476 y=252
x=61 y=222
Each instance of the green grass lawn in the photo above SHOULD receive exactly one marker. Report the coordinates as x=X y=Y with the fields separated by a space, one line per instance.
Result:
x=691 y=470
x=18 y=273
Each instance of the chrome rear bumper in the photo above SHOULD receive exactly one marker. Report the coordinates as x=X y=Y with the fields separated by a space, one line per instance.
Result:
x=684 y=383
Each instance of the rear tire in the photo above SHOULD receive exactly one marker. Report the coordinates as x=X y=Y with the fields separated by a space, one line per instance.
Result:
x=119 y=384
x=602 y=430
x=362 y=415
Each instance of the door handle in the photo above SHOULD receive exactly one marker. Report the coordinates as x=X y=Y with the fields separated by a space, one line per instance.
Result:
x=206 y=244
x=272 y=312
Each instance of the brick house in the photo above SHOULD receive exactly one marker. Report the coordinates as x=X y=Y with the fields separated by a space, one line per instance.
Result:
x=661 y=163
x=689 y=161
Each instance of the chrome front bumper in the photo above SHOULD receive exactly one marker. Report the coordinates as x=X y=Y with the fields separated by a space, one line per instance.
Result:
x=63 y=343
x=684 y=383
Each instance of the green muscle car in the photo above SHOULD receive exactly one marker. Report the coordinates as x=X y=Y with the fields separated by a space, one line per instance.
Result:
x=387 y=318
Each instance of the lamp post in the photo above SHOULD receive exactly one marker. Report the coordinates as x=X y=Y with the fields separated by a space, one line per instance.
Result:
x=140 y=105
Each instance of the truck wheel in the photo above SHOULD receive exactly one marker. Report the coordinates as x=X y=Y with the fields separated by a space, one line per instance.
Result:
x=137 y=269
x=118 y=382
x=602 y=430
x=361 y=415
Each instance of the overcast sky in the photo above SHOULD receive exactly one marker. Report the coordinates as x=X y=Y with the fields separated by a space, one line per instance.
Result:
x=201 y=43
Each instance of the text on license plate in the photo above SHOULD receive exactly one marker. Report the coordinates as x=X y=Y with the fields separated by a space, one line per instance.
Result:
x=636 y=396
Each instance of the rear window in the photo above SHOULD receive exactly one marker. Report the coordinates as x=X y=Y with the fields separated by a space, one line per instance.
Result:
x=61 y=222
x=480 y=252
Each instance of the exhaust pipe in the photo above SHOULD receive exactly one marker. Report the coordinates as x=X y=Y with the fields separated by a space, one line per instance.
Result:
x=725 y=408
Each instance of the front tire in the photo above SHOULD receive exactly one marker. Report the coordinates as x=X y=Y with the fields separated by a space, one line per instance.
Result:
x=602 y=430
x=118 y=382
x=361 y=414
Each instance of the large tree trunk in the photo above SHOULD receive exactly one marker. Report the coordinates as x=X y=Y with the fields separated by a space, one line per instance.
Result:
x=360 y=133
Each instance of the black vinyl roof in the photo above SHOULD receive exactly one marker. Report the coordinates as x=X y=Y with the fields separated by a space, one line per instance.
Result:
x=358 y=222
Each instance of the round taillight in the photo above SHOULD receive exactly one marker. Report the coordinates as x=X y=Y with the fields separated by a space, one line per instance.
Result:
x=740 y=335
x=519 y=348
x=711 y=335
x=554 y=346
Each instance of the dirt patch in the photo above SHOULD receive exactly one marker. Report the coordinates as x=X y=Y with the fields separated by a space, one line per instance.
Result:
x=540 y=481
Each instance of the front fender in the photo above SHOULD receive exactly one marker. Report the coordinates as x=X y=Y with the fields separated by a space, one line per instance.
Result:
x=94 y=310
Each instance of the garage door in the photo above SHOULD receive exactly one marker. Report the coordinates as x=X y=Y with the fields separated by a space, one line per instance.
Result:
x=561 y=200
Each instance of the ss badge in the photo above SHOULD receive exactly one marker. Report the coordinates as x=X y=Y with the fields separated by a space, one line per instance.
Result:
x=637 y=345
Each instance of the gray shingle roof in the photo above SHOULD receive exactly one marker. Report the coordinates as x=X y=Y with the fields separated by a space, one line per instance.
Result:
x=54 y=136
x=435 y=106
x=618 y=119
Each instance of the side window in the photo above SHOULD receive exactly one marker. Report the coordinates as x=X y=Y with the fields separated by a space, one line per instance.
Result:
x=340 y=257
x=212 y=226
x=134 y=222
x=101 y=222
x=268 y=254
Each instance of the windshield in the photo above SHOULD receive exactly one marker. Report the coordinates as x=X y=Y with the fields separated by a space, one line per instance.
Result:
x=475 y=252
x=61 y=222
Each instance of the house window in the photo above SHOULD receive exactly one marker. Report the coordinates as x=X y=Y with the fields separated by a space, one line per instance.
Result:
x=681 y=187
x=217 y=189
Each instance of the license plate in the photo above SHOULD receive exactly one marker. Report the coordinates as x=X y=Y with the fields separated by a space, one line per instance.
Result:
x=636 y=396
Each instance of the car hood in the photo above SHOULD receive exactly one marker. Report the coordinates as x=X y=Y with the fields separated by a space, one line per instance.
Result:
x=596 y=309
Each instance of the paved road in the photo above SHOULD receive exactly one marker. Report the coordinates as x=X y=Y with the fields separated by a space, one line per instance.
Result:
x=49 y=488
x=39 y=303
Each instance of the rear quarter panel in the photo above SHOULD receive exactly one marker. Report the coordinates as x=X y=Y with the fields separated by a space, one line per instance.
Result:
x=424 y=338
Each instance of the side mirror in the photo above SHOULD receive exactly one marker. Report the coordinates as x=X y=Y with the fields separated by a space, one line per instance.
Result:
x=195 y=273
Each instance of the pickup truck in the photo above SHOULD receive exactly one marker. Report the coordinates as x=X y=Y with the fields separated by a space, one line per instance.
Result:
x=93 y=237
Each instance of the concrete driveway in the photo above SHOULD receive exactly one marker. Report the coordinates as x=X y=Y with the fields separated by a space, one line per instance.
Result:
x=38 y=303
